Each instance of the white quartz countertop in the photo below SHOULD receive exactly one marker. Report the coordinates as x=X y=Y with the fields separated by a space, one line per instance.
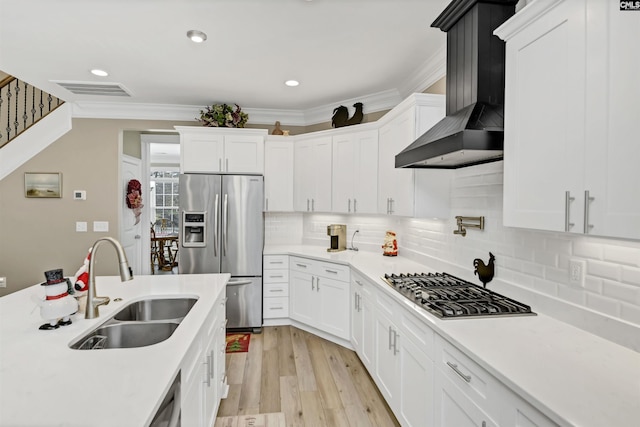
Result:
x=574 y=377
x=45 y=383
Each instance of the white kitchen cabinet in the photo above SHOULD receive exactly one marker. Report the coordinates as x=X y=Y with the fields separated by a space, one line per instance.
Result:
x=570 y=151
x=203 y=370
x=221 y=150
x=312 y=172
x=275 y=278
x=319 y=295
x=362 y=319
x=404 y=369
x=355 y=172
x=399 y=128
x=278 y=174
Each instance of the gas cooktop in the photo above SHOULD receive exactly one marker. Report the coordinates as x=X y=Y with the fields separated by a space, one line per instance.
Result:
x=450 y=297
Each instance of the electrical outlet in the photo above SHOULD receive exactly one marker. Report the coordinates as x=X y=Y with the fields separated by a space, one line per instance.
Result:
x=101 y=226
x=3 y=282
x=576 y=272
x=81 y=226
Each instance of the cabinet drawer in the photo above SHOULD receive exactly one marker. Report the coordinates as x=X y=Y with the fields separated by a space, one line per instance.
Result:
x=275 y=290
x=480 y=386
x=275 y=276
x=275 y=262
x=302 y=264
x=419 y=332
x=275 y=307
x=333 y=271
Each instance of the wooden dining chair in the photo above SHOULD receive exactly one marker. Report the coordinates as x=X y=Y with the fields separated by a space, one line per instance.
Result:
x=155 y=251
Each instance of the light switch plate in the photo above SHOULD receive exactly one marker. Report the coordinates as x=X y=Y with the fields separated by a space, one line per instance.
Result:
x=81 y=226
x=79 y=195
x=3 y=282
x=101 y=226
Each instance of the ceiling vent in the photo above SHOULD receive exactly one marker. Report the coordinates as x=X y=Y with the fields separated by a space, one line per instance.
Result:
x=99 y=89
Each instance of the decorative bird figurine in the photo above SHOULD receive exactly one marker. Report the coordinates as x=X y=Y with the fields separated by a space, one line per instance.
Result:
x=341 y=116
x=484 y=272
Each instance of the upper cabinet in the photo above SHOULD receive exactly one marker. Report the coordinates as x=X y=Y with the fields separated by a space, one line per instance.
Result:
x=400 y=127
x=571 y=103
x=312 y=172
x=221 y=150
x=278 y=174
x=355 y=172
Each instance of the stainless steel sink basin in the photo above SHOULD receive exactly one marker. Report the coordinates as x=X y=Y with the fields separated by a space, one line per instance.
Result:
x=138 y=324
x=126 y=335
x=156 y=309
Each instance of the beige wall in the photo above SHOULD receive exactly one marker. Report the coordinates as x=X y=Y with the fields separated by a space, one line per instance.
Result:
x=39 y=234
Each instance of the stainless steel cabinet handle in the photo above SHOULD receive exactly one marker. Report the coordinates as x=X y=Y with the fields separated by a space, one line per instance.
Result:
x=388 y=208
x=215 y=226
x=137 y=236
x=313 y=205
x=395 y=343
x=349 y=208
x=277 y=276
x=276 y=262
x=355 y=209
x=390 y=343
x=359 y=300
x=454 y=366
x=391 y=202
x=238 y=282
x=331 y=271
x=220 y=164
x=301 y=265
x=359 y=282
x=567 y=210
x=313 y=281
x=317 y=284
x=226 y=168
x=225 y=224
x=277 y=308
x=266 y=204
x=207 y=381
x=355 y=301
x=276 y=290
x=211 y=365
x=587 y=200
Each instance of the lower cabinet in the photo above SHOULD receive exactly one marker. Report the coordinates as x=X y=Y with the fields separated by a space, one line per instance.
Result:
x=275 y=292
x=319 y=295
x=362 y=332
x=203 y=371
x=403 y=366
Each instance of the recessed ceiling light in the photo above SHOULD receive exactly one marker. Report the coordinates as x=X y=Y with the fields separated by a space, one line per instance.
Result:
x=292 y=83
x=99 y=73
x=196 y=36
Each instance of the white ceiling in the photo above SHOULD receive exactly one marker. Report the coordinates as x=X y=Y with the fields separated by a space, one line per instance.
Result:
x=337 y=49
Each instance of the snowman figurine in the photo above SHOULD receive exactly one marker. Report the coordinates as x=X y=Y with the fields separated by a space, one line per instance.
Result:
x=58 y=305
x=390 y=246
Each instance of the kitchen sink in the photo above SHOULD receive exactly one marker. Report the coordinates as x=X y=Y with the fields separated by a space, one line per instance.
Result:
x=138 y=324
x=126 y=335
x=156 y=309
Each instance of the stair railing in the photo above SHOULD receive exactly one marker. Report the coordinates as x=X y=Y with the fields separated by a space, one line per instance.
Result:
x=21 y=106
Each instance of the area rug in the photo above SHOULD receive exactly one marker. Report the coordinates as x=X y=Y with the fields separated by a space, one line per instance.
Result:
x=237 y=343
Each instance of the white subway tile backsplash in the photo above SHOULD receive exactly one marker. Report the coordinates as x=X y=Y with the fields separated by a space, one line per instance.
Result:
x=631 y=275
x=622 y=255
x=606 y=270
x=587 y=248
x=621 y=292
x=604 y=305
x=630 y=313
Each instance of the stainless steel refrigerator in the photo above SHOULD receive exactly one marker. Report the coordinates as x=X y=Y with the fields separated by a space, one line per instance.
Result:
x=222 y=231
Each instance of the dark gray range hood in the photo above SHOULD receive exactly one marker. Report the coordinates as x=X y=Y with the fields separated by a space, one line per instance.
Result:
x=472 y=132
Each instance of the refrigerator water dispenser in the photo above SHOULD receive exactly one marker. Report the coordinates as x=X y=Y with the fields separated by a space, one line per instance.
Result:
x=193 y=229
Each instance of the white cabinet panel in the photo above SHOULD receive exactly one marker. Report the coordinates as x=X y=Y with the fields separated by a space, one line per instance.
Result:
x=278 y=174
x=312 y=171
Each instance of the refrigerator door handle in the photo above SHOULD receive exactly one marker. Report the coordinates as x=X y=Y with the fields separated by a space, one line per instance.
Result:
x=238 y=282
x=215 y=227
x=225 y=224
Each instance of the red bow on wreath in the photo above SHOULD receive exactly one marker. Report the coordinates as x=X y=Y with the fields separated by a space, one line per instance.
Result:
x=134 y=198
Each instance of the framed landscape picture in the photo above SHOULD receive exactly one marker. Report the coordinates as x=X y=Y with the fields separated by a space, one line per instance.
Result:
x=43 y=185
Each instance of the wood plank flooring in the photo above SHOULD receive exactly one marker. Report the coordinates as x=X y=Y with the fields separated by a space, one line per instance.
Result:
x=292 y=378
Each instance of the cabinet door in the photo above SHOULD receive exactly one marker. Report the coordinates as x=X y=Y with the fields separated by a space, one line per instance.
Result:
x=365 y=183
x=544 y=123
x=454 y=408
x=416 y=374
x=201 y=153
x=334 y=306
x=278 y=176
x=344 y=173
x=612 y=172
x=395 y=186
x=303 y=185
x=385 y=359
x=321 y=167
x=244 y=154
x=303 y=298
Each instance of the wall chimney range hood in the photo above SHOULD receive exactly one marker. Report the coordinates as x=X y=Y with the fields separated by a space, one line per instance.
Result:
x=473 y=130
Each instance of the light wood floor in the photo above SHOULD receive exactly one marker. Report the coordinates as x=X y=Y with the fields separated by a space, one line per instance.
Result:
x=309 y=380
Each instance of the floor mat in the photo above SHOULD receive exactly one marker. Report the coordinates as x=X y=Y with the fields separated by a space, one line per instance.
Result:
x=237 y=343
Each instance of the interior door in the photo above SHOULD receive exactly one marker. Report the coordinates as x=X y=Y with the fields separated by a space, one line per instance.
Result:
x=131 y=226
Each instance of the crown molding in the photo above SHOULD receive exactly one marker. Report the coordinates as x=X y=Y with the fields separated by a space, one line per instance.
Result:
x=431 y=71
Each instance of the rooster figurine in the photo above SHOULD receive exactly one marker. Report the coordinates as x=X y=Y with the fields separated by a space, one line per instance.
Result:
x=341 y=116
x=484 y=272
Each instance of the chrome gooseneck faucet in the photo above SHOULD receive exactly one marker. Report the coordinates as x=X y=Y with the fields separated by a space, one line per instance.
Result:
x=353 y=248
x=93 y=301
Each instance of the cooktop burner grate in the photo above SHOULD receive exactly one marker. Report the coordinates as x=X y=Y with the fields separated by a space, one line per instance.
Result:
x=450 y=297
